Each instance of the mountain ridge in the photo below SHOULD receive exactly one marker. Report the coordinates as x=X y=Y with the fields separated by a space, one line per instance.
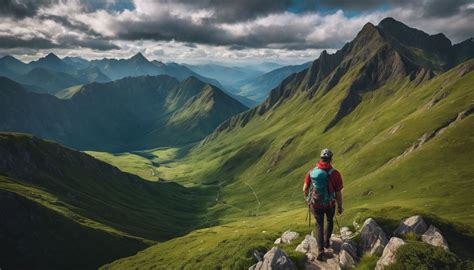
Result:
x=371 y=46
x=131 y=112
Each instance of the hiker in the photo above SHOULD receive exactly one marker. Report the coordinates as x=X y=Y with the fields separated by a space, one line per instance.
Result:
x=322 y=189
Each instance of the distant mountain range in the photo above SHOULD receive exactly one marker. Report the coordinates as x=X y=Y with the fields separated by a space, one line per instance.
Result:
x=50 y=74
x=257 y=88
x=253 y=82
x=130 y=113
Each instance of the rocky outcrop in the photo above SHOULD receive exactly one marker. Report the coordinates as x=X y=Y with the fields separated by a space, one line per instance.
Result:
x=344 y=251
x=345 y=232
x=289 y=236
x=388 y=255
x=372 y=238
x=414 y=224
x=275 y=259
x=346 y=260
x=434 y=237
x=350 y=248
x=308 y=245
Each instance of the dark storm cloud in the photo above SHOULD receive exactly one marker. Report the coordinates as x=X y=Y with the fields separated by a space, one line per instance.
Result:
x=235 y=24
x=70 y=41
x=73 y=25
x=29 y=8
x=241 y=10
x=429 y=8
x=21 y=8
x=167 y=28
x=9 y=42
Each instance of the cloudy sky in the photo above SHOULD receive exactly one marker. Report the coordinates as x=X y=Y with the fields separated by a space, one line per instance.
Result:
x=196 y=31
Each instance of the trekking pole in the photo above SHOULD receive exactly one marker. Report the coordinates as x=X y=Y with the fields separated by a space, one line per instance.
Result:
x=339 y=227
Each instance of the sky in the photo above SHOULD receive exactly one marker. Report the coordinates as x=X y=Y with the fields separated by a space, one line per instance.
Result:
x=202 y=31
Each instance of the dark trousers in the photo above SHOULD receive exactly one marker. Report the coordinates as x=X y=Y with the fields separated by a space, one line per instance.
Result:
x=323 y=236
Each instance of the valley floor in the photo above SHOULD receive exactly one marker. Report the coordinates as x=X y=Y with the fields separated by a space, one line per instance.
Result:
x=233 y=231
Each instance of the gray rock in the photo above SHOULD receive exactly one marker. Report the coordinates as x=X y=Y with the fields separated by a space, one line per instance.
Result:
x=388 y=255
x=308 y=245
x=275 y=259
x=350 y=247
x=278 y=241
x=257 y=255
x=289 y=236
x=434 y=237
x=414 y=224
x=336 y=243
x=372 y=238
x=346 y=260
x=345 y=232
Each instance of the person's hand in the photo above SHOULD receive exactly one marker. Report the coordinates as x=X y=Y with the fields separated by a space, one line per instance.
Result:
x=340 y=210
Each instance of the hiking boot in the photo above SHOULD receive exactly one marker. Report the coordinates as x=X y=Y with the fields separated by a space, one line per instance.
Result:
x=327 y=245
x=320 y=256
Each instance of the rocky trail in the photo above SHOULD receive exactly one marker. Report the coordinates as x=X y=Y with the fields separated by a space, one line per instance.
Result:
x=345 y=252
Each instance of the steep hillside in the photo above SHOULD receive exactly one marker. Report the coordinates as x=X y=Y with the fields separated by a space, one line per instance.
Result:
x=370 y=104
x=60 y=205
x=128 y=114
x=401 y=128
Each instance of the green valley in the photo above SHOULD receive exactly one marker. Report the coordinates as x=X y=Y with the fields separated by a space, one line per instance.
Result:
x=397 y=145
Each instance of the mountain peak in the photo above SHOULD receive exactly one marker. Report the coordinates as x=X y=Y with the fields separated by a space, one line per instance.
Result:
x=10 y=59
x=52 y=56
x=139 y=57
x=414 y=37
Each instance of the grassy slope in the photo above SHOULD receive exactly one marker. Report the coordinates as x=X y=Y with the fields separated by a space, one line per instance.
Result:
x=367 y=142
x=89 y=202
x=32 y=213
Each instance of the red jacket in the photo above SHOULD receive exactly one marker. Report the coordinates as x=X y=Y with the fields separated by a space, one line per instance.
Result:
x=335 y=180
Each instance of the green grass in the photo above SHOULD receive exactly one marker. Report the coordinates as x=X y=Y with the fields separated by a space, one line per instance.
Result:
x=74 y=188
x=419 y=255
x=380 y=180
x=367 y=262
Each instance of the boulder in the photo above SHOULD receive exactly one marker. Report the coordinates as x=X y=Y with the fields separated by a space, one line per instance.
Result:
x=372 y=238
x=336 y=243
x=308 y=245
x=388 y=255
x=345 y=232
x=346 y=260
x=275 y=259
x=434 y=237
x=289 y=236
x=278 y=241
x=350 y=247
x=414 y=224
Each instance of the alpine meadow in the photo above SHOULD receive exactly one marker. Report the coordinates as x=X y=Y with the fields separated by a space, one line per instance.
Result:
x=184 y=134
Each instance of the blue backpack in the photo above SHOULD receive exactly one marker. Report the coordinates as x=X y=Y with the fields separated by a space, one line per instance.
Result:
x=319 y=192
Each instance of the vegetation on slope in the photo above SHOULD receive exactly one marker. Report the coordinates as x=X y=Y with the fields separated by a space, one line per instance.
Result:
x=398 y=130
x=91 y=202
x=132 y=113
